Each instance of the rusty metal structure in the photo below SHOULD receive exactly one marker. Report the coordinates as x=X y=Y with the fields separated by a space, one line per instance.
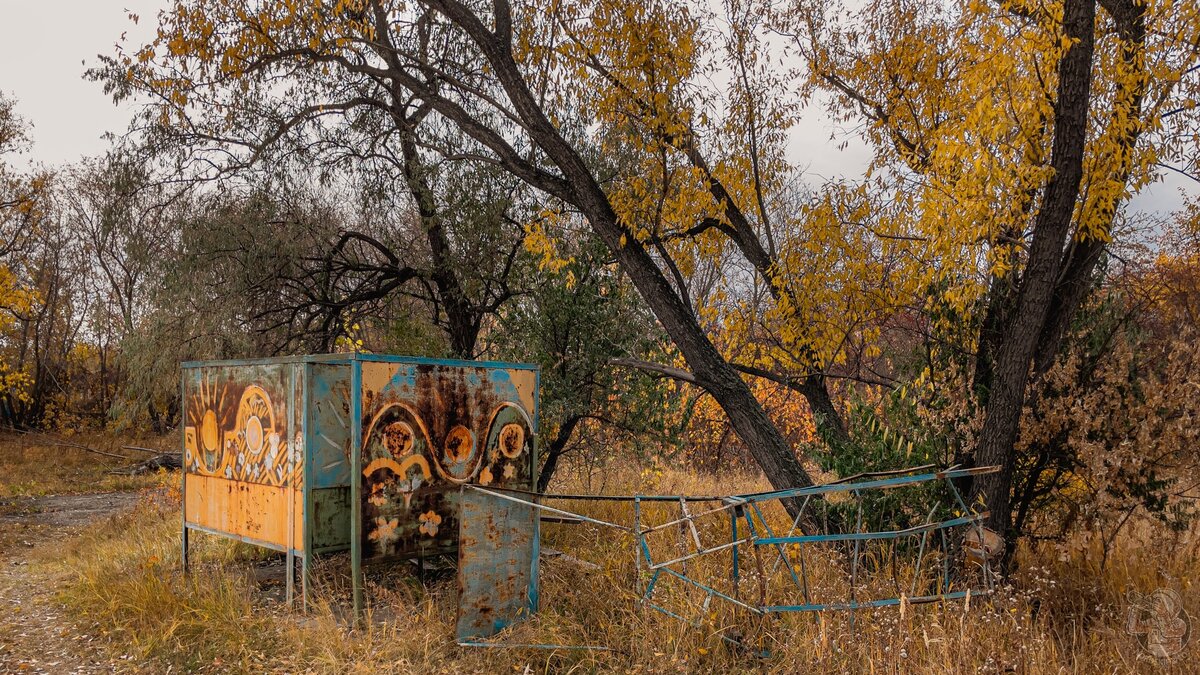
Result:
x=877 y=568
x=360 y=452
x=399 y=458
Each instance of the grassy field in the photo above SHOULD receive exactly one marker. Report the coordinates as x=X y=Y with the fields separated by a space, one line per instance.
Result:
x=35 y=465
x=120 y=579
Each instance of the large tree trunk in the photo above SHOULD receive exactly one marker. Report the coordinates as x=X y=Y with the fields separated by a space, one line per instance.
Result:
x=462 y=318
x=555 y=450
x=1035 y=295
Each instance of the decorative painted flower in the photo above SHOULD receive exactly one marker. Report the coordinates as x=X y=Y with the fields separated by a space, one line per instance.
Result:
x=377 y=497
x=385 y=532
x=486 y=477
x=510 y=470
x=429 y=523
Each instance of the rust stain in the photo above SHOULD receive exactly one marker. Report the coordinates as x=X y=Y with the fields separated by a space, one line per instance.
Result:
x=428 y=429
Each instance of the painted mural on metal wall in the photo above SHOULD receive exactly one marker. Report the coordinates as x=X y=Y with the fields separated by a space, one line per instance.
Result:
x=427 y=429
x=237 y=426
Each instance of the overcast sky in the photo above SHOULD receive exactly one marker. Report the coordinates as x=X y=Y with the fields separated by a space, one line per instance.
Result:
x=45 y=47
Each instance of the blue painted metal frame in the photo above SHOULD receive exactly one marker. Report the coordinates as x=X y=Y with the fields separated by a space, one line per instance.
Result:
x=356 y=525
x=866 y=536
x=309 y=522
x=746 y=507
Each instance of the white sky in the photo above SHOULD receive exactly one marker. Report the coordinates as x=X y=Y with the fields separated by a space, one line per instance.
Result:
x=45 y=46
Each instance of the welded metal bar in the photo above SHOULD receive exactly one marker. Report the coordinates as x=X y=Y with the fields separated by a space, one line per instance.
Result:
x=706 y=551
x=880 y=474
x=757 y=553
x=551 y=509
x=681 y=537
x=691 y=523
x=782 y=553
x=868 y=604
x=650 y=586
x=945 y=562
x=857 y=544
x=921 y=552
x=884 y=483
x=183 y=461
x=826 y=488
x=673 y=615
x=987 y=567
x=885 y=534
x=645 y=549
x=290 y=565
x=640 y=542
x=669 y=523
x=688 y=580
x=795 y=525
x=735 y=574
x=609 y=498
x=308 y=516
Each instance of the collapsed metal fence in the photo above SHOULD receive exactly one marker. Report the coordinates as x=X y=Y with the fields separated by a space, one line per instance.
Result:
x=712 y=547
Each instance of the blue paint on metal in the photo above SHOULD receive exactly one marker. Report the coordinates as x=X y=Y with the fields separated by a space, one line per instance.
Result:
x=497 y=558
x=328 y=417
x=780 y=549
x=691 y=622
x=356 y=524
x=543 y=507
x=249 y=540
x=735 y=573
x=851 y=487
x=307 y=496
x=708 y=589
x=865 y=536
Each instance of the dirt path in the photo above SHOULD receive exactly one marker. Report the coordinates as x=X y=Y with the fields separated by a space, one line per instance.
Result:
x=35 y=637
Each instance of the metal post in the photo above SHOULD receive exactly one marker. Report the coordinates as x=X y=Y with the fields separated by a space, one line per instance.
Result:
x=733 y=518
x=638 y=538
x=356 y=525
x=183 y=535
x=306 y=462
x=290 y=492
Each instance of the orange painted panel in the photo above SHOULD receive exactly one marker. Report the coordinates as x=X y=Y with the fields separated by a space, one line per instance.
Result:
x=252 y=510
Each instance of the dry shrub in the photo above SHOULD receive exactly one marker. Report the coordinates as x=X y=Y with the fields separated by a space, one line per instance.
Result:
x=1113 y=433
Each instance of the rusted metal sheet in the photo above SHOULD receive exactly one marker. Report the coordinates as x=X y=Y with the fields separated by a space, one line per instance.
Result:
x=429 y=428
x=242 y=452
x=329 y=425
x=331 y=519
x=497 y=564
x=236 y=424
x=250 y=511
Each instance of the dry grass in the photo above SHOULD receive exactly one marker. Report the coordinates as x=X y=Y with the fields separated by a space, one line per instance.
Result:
x=1062 y=614
x=32 y=465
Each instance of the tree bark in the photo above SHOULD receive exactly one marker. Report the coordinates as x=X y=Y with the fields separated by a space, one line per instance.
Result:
x=555 y=451
x=462 y=319
x=1034 y=297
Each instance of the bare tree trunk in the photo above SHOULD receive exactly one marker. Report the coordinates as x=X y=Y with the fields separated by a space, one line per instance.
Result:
x=555 y=451
x=1052 y=225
